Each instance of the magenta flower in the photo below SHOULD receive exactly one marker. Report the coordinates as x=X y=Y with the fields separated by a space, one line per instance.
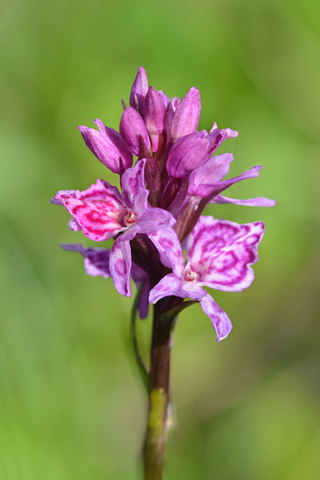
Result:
x=158 y=213
x=219 y=255
x=101 y=212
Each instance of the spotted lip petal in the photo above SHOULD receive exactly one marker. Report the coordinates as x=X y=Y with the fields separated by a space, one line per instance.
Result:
x=99 y=210
x=220 y=255
x=222 y=252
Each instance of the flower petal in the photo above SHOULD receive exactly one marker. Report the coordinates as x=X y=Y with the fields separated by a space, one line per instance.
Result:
x=134 y=192
x=213 y=189
x=168 y=285
x=120 y=267
x=250 y=202
x=211 y=173
x=187 y=115
x=169 y=248
x=99 y=210
x=139 y=90
x=154 y=115
x=107 y=146
x=222 y=252
x=96 y=260
x=131 y=128
x=220 y=320
x=186 y=154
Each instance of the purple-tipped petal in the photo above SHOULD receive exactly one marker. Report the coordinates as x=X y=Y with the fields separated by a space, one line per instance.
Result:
x=131 y=128
x=139 y=91
x=222 y=252
x=250 y=202
x=186 y=154
x=154 y=116
x=220 y=320
x=96 y=260
x=187 y=115
x=120 y=267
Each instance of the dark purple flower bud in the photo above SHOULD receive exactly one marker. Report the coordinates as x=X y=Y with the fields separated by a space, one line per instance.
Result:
x=186 y=154
x=154 y=116
x=139 y=91
x=187 y=115
x=131 y=128
x=107 y=146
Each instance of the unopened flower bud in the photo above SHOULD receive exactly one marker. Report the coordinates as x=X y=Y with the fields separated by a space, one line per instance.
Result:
x=139 y=91
x=187 y=115
x=131 y=128
x=107 y=146
x=154 y=116
x=187 y=154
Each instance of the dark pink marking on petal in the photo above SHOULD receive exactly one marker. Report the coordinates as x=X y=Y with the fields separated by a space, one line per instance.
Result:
x=222 y=253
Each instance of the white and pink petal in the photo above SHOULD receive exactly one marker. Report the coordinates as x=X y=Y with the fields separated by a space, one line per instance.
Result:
x=120 y=266
x=168 y=285
x=169 y=248
x=222 y=252
x=220 y=320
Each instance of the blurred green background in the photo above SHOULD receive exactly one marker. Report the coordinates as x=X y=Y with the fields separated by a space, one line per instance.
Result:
x=71 y=403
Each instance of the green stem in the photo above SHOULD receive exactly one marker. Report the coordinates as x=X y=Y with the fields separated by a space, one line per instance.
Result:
x=153 y=451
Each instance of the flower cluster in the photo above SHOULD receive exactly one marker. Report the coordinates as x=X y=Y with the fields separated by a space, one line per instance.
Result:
x=158 y=212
